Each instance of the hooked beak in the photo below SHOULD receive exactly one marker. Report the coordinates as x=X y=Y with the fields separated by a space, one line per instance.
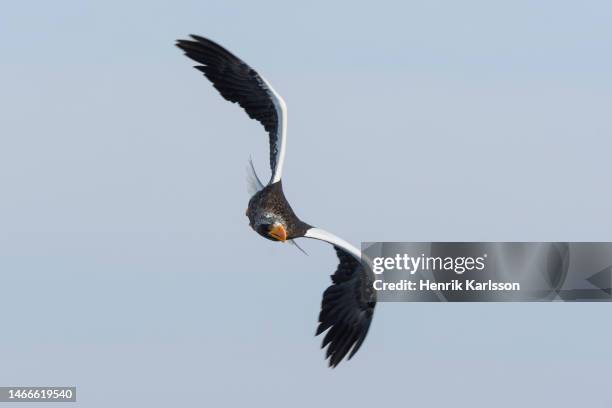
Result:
x=278 y=232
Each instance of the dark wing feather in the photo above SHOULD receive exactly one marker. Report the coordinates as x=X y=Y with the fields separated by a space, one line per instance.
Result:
x=238 y=83
x=346 y=309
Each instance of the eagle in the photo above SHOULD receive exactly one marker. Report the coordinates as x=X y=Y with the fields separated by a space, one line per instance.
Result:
x=348 y=304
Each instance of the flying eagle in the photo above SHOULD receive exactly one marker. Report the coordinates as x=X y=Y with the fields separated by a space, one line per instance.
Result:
x=348 y=304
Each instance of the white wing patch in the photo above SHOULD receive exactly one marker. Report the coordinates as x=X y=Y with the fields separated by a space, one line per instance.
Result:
x=322 y=235
x=281 y=132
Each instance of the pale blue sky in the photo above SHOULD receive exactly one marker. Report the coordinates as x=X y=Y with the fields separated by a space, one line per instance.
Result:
x=129 y=269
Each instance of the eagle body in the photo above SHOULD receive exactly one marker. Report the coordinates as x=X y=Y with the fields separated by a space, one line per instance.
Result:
x=269 y=206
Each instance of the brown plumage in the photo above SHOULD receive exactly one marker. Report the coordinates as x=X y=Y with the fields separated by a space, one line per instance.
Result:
x=268 y=207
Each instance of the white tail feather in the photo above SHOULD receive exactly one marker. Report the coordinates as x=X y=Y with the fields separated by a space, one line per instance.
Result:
x=254 y=184
x=297 y=246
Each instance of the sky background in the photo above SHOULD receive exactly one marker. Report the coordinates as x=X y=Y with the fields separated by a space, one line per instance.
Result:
x=127 y=265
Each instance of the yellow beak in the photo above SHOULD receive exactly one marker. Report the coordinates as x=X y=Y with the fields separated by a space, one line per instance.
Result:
x=278 y=232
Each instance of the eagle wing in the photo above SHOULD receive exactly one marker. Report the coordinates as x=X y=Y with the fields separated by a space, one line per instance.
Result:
x=348 y=304
x=239 y=83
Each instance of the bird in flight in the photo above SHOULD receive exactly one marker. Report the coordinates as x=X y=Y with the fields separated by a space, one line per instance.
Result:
x=348 y=304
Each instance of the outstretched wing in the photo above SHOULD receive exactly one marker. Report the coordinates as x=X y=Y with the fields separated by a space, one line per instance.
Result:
x=348 y=304
x=239 y=83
